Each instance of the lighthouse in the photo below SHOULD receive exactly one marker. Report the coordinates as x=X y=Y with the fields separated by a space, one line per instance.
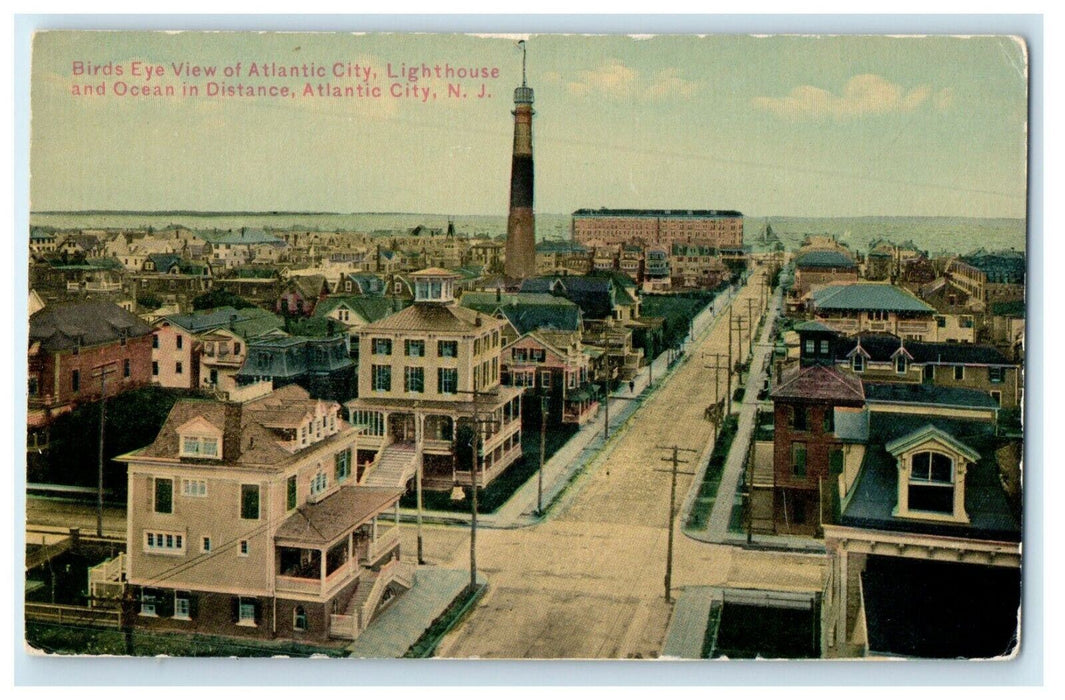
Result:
x=521 y=236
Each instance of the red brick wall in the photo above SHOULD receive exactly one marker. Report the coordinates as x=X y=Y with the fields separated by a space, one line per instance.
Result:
x=819 y=445
x=57 y=374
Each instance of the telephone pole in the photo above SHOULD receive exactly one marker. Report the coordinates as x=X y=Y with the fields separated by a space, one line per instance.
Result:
x=540 y=473
x=716 y=416
x=101 y=371
x=676 y=461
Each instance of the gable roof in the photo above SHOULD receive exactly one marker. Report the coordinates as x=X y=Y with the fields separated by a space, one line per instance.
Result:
x=928 y=433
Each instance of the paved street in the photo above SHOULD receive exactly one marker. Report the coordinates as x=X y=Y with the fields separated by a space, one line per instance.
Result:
x=588 y=583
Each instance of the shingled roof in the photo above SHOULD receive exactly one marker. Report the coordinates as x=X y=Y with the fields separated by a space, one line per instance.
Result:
x=437 y=318
x=820 y=384
x=249 y=430
x=323 y=522
x=62 y=326
x=867 y=297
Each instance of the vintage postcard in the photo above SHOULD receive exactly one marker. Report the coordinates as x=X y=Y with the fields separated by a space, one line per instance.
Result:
x=526 y=347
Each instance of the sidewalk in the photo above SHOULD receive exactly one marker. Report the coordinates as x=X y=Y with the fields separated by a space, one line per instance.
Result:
x=717 y=531
x=587 y=444
x=402 y=624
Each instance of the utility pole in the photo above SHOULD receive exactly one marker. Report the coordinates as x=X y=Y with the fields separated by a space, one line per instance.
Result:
x=606 y=405
x=540 y=473
x=750 y=327
x=717 y=417
x=475 y=459
x=101 y=371
x=675 y=459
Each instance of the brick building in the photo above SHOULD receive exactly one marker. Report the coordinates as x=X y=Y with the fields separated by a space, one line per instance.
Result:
x=660 y=227
x=69 y=343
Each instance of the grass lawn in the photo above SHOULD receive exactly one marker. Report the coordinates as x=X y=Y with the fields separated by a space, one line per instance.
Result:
x=704 y=501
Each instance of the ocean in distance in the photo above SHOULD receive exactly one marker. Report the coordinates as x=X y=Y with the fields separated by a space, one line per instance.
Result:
x=934 y=234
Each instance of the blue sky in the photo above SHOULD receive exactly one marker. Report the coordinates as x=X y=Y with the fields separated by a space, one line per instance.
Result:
x=779 y=125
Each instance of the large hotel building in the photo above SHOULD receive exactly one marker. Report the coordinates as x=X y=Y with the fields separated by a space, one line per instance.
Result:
x=659 y=227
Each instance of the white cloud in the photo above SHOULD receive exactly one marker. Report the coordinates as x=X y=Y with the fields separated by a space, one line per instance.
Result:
x=615 y=80
x=863 y=95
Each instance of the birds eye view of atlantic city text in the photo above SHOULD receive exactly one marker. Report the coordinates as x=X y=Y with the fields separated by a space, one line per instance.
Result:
x=525 y=347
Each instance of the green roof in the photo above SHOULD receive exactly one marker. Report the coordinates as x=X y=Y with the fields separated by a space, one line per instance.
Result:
x=370 y=308
x=867 y=297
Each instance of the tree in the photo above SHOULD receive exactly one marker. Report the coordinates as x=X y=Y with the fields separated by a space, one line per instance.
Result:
x=220 y=297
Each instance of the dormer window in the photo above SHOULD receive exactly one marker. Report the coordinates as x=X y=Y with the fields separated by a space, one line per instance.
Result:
x=931 y=475
x=201 y=447
x=858 y=362
x=900 y=364
x=199 y=439
x=931 y=485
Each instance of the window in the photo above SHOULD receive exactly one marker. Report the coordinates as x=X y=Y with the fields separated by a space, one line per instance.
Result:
x=125 y=369
x=414 y=380
x=798 y=459
x=382 y=346
x=182 y=607
x=372 y=421
x=997 y=397
x=858 y=362
x=75 y=381
x=299 y=619
x=319 y=482
x=291 y=493
x=929 y=372
x=148 y=604
x=415 y=348
x=545 y=380
x=382 y=378
x=808 y=347
x=206 y=544
x=164 y=495
x=243 y=549
x=164 y=542
x=824 y=347
x=941 y=322
x=249 y=501
x=996 y=375
x=537 y=355
x=931 y=483
x=520 y=354
x=246 y=611
x=178 y=368
x=196 y=488
x=900 y=364
x=180 y=341
x=155 y=342
x=447 y=380
x=798 y=418
x=342 y=465
x=959 y=372
x=236 y=348
x=829 y=423
x=447 y=348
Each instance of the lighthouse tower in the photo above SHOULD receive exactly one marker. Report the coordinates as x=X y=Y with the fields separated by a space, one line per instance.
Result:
x=521 y=237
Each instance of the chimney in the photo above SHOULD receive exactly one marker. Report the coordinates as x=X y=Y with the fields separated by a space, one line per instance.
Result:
x=231 y=429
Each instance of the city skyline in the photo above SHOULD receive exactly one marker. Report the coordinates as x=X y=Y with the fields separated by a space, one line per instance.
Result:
x=782 y=125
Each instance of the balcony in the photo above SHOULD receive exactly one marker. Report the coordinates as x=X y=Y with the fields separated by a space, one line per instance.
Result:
x=572 y=413
x=916 y=327
x=318 y=587
x=437 y=446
